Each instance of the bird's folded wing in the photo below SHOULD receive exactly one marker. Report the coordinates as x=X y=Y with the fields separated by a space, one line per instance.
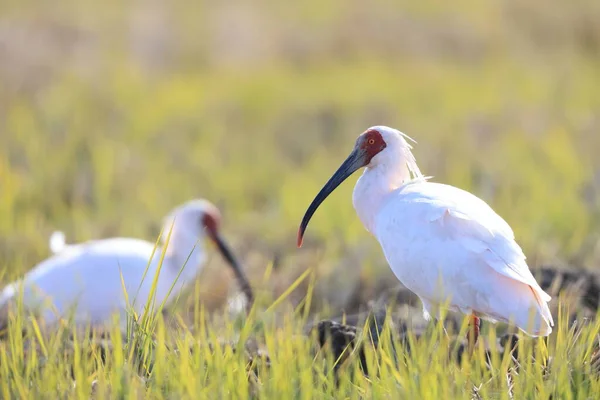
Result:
x=484 y=232
x=464 y=218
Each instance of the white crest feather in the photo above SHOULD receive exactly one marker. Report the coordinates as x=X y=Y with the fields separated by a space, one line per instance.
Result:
x=411 y=162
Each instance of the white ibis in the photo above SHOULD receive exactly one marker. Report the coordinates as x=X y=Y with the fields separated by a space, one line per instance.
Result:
x=86 y=277
x=445 y=244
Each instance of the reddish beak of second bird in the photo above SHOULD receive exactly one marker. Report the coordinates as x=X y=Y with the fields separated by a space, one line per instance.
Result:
x=356 y=160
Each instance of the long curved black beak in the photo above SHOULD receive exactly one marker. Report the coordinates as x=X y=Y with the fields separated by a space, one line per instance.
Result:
x=235 y=266
x=355 y=161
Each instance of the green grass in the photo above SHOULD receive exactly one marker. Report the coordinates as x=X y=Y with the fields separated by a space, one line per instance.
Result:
x=112 y=114
x=206 y=359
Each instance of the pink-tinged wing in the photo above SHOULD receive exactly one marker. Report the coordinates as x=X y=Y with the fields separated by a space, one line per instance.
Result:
x=475 y=225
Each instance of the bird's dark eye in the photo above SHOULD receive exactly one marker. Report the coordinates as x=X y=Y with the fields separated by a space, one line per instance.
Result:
x=371 y=141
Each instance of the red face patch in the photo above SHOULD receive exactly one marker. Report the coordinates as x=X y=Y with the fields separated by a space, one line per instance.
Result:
x=211 y=223
x=372 y=143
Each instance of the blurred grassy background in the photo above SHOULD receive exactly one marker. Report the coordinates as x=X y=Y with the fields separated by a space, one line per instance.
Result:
x=113 y=113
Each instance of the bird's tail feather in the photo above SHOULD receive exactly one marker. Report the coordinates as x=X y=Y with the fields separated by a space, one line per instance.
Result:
x=57 y=242
x=547 y=322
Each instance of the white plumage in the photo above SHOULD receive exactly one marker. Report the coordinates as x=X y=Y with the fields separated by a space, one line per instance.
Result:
x=446 y=245
x=86 y=278
x=57 y=242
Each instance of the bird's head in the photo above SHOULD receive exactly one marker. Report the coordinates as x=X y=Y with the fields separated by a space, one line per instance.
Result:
x=197 y=219
x=377 y=145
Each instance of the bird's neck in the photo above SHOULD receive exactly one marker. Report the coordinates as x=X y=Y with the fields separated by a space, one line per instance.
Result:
x=374 y=185
x=183 y=250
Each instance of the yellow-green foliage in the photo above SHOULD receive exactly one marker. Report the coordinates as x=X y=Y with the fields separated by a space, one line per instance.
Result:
x=112 y=113
x=200 y=363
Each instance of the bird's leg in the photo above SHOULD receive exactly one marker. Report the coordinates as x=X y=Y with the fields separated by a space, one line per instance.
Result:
x=473 y=333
